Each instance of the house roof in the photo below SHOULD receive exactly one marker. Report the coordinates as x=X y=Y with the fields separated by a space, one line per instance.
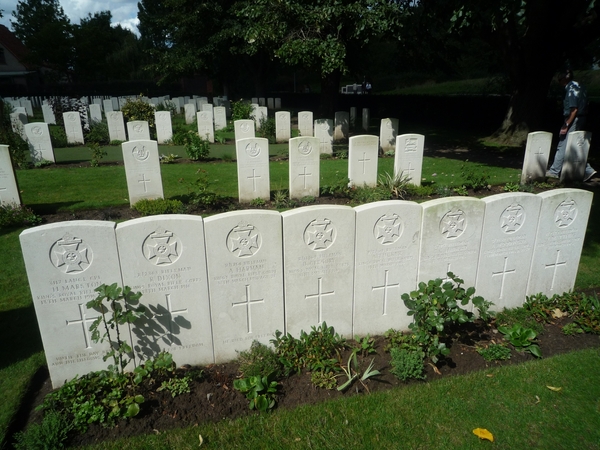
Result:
x=9 y=41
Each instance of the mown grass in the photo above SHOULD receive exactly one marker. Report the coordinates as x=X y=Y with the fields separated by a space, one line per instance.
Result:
x=513 y=403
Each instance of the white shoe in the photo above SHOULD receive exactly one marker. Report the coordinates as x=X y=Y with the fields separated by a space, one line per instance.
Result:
x=590 y=176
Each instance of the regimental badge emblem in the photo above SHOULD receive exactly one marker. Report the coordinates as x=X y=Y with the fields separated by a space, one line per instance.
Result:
x=245 y=127
x=140 y=152
x=453 y=224
x=70 y=254
x=253 y=149
x=319 y=234
x=565 y=213
x=305 y=148
x=512 y=218
x=162 y=247
x=37 y=131
x=137 y=128
x=244 y=240
x=388 y=229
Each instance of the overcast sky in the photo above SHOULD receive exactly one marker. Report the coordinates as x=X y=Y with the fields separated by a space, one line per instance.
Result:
x=124 y=12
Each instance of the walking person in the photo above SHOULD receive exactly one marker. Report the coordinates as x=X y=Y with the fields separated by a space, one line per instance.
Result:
x=574 y=112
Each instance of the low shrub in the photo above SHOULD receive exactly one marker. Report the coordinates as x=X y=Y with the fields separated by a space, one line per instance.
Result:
x=51 y=433
x=98 y=153
x=259 y=360
x=196 y=147
x=138 y=109
x=241 y=110
x=407 y=364
x=267 y=129
x=494 y=352
x=147 y=207
x=13 y=215
x=98 y=133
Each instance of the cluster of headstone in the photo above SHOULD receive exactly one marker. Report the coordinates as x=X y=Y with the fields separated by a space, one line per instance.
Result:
x=213 y=285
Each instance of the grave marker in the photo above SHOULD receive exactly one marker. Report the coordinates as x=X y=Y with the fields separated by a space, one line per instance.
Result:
x=342 y=126
x=138 y=130
x=48 y=114
x=387 y=134
x=9 y=190
x=190 y=112
x=537 y=152
x=363 y=152
x=283 y=131
x=253 y=169
x=142 y=169
x=366 y=119
x=304 y=167
x=576 y=154
x=324 y=132
x=243 y=129
x=116 y=126
x=72 y=120
x=305 y=123
x=205 y=126
x=164 y=129
x=220 y=115
x=95 y=113
x=108 y=106
x=408 y=157
x=38 y=139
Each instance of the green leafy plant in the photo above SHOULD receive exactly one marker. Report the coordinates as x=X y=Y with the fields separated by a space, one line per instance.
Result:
x=353 y=372
x=41 y=163
x=398 y=339
x=494 y=352
x=117 y=307
x=151 y=207
x=259 y=360
x=258 y=202
x=512 y=187
x=267 y=129
x=97 y=134
x=365 y=345
x=521 y=338
x=435 y=306
x=307 y=200
x=161 y=365
x=51 y=433
x=196 y=147
x=13 y=215
x=260 y=390
x=281 y=199
x=325 y=380
x=315 y=351
x=461 y=190
x=241 y=110
x=201 y=195
x=572 y=329
x=167 y=105
x=138 y=109
x=97 y=153
x=168 y=159
x=475 y=178
x=396 y=185
x=176 y=386
x=339 y=188
x=407 y=364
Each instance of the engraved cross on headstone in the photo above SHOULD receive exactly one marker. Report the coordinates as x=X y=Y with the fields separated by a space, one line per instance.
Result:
x=319 y=296
x=363 y=161
x=83 y=320
x=254 y=178
x=503 y=274
x=555 y=267
x=145 y=181
x=171 y=313
x=385 y=288
x=409 y=170
x=304 y=175
x=247 y=302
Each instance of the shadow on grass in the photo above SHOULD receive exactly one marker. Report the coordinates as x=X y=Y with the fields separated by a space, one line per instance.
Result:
x=20 y=335
x=51 y=208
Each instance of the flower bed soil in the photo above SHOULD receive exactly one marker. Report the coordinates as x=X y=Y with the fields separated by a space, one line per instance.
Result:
x=213 y=398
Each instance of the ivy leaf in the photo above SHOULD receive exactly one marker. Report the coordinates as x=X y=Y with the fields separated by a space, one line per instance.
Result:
x=482 y=433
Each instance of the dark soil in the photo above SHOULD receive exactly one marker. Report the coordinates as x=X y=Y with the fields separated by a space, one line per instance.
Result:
x=213 y=397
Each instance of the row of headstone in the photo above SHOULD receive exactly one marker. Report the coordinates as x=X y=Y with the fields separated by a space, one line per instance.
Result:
x=270 y=103
x=212 y=286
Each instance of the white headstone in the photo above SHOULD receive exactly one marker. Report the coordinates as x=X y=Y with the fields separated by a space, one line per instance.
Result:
x=220 y=115
x=304 y=167
x=18 y=120
x=40 y=145
x=108 y=106
x=245 y=275
x=73 y=128
x=207 y=107
x=253 y=169
x=243 y=129
x=319 y=267
x=563 y=221
x=138 y=130
x=366 y=119
x=190 y=112
x=9 y=191
x=142 y=169
x=177 y=102
x=324 y=132
x=450 y=238
x=537 y=152
x=270 y=103
x=387 y=134
x=363 y=153
x=49 y=117
x=277 y=103
x=65 y=262
x=408 y=158
x=509 y=230
x=387 y=259
x=115 y=103
x=283 y=131
x=116 y=126
x=163 y=257
x=28 y=107
x=164 y=129
x=342 y=126
x=262 y=102
x=95 y=112
x=576 y=154
x=205 y=126
x=305 y=123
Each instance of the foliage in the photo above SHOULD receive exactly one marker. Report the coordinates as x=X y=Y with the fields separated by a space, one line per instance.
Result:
x=161 y=365
x=260 y=390
x=241 y=110
x=521 y=338
x=314 y=351
x=512 y=187
x=475 y=178
x=202 y=196
x=13 y=215
x=41 y=163
x=494 y=352
x=508 y=317
x=339 y=188
x=139 y=109
x=267 y=129
x=583 y=309
x=258 y=202
x=151 y=207
x=281 y=200
x=365 y=345
x=62 y=105
x=461 y=190
x=51 y=433
x=572 y=329
x=168 y=159
x=196 y=147
x=98 y=133
x=353 y=372
x=17 y=147
x=117 y=307
x=176 y=386
x=397 y=185
x=259 y=360
x=103 y=397
x=167 y=105
x=324 y=380
x=367 y=194
x=58 y=136
x=97 y=153
x=407 y=364
x=435 y=305
x=397 y=339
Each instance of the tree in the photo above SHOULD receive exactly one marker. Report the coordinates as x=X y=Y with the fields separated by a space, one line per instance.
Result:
x=46 y=31
x=534 y=39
